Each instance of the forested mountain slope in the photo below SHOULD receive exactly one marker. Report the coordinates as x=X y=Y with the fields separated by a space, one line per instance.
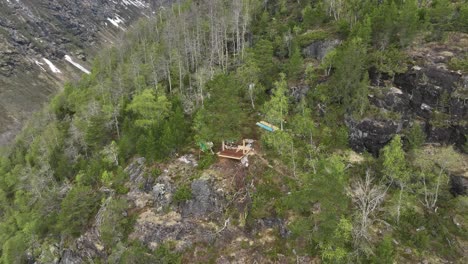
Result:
x=368 y=164
x=37 y=38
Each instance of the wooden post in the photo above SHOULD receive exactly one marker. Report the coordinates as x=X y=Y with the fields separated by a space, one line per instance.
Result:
x=222 y=146
x=243 y=145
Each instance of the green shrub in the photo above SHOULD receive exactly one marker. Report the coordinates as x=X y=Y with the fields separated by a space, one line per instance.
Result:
x=385 y=252
x=265 y=201
x=313 y=16
x=206 y=161
x=343 y=28
x=106 y=178
x=341 y=137
x=155 y=172
x=165 y=255
x=311 y=36
x=126 y=144
x=182 y=194
x=413 y=229
x=416 y=136
x=440 y=119
x=114 y=222
x=92 y=173
x=137 y=254
x=459 y=64
x=78 y=207
x=120 y=178
x=461 y=21
x=14 y=249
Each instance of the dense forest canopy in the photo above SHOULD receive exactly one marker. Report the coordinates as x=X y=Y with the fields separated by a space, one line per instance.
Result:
x=207 y=71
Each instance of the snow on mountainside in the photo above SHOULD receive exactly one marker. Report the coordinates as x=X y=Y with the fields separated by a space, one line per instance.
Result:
x=44 y=43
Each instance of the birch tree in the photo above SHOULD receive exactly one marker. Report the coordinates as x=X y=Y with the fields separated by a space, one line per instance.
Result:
x=276 y=109
x=433 y=170
x=247 y=74
x=395 y=168
x=149 y=109
x=110 y=153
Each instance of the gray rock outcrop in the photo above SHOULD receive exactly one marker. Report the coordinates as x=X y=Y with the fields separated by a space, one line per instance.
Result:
x=370 y=134
x=459 y=184
x=319 y=48
x=429 y=92
x=204 y=199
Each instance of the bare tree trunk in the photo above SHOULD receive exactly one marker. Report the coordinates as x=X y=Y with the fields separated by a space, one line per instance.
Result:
x=293 y=159
x=213 y=38
x=431 y=197
x=399 y=203
x=226 y=49
x=237 y=10
x=136 y=71
x=117 y=129
x=436 y=196
x=180 y=75
x=251 y=88
x=168 y=75
x=367 y=197
x=197 y=47
x=154 y=71
x=311 y=140
x=245 y=20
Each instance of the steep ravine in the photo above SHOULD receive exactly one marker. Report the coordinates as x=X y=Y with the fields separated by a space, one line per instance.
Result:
x=39 y=39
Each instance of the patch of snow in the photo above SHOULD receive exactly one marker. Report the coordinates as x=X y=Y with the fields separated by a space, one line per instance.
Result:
x=137 y=3
x=40 y=65
x=416 y=68
x=81 y=68
x=116 y=21
x=52 y=66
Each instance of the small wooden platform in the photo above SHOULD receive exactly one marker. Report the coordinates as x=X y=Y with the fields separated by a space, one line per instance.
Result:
x=231 y=154
x=234 y=152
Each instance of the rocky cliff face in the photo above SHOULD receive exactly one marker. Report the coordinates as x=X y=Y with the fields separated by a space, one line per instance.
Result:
x=46 y=42
x=429 y=92
x=205 y=220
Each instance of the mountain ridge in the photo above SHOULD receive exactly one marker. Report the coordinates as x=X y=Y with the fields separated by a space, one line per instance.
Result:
x=39 y=38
